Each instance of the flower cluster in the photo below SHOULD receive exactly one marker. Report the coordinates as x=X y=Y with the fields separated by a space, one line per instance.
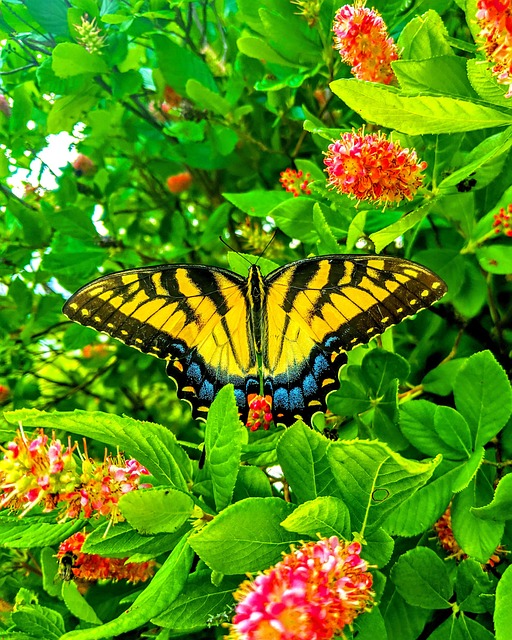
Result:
x=39 y=471
x=89 y=35
x=371 y=167
x=501 y=222
x=92 y=567
x=494 y=18
x=443 y=529
x=260 y=412
x=295 y=182
x=314 y=592
x=361 y=37
x=179 y=182
x=95 y=351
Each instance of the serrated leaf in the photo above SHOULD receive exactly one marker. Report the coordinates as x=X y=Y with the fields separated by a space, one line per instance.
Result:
x=374 y=480
x=257 y=203
x=326 y=515
x=206 y=98
x=247 y=536
x=500 y=508
x=152 y=511
x=503 y=612
x=39 y=622
x=28 y=533
x=440 y=380
x=223 y=442
x=472 y=582
x=77 y=604
x=416 y=115
x=425 y=37
x=151 y=444
x=483 y=396
x=478 y=538
x=390 y=233
x=422 y=579
x=302 y=455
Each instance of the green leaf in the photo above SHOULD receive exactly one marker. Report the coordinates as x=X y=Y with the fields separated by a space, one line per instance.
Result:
x=483 y=396
x=301 y=453
x=77 y=604
x=223 y=443
x=440 y=380
x=199 y=601
x=21 y=108
x=503 y=612
x=424 y=37
x=374 y=480
x=378 y=548
x=163 y=589
x=53 y=16
x=445 y=75
x=402 y=619
x=370 y=625
x=30 y=532
x=416 y=514
x=484 y=82
x=478 y=538
x=327 y=241
x=495 y=258
x=460 y=628
x=422 y=579
x=390 y=233
x=152 y=511
x=38 y=621
x=247 y=536
x=500 y=508
x=416 y=115
x=178 y=64
x=258 y=48
x=251 y=482
x=435 y=429
x=69 y=59
x=472 y=582
x=69 y=110
x=206 y=98
x=50 y=568
x=349 y=400
x=257 y=203
x=379 y=367
x=151 y=444
x=326 y=515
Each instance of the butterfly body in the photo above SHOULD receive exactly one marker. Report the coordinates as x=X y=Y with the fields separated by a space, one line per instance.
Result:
x=284 y=335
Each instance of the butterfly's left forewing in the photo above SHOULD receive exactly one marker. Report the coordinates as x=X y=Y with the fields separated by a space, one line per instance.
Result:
x=195 y=317
x=319 y=308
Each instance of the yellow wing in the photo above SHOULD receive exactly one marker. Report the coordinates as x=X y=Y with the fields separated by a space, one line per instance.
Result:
x=193 y=316
x=318 y=309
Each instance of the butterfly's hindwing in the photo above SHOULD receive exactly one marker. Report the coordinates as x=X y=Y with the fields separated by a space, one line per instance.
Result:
x=195 y=317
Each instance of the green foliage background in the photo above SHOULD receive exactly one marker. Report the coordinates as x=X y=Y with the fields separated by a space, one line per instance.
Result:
x=261 y=91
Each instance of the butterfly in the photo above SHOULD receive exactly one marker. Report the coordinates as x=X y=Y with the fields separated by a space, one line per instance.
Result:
x=283 y=336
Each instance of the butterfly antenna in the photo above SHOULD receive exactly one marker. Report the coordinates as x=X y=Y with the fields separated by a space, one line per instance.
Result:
x=267 y=245
x=234 y=250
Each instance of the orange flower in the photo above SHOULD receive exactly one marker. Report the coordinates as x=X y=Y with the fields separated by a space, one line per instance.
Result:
x=295 y=182
x=83 y=165
x=494 y=18
x=314 y=592
x=179 y=182
x=361 y=37
x=370 y=167
x=90 y=566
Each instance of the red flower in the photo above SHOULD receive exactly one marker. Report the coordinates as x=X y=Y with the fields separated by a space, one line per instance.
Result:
x=370 y=167
x=501 y=222
x=180 y=182
x=495 y=21
x=260 y=412
x=361 y=37
x=295 y=181
x=312 y=594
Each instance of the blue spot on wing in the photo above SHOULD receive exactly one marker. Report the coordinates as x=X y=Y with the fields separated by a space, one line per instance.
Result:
x=296 y=398
x=207 y=391
x=194 y=373
x=281 y=400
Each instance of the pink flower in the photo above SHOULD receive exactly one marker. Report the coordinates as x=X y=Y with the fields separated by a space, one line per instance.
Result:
x=495 y=21
x=312 y=594
x=361 y=37
x=501 y=222
x=370 y=167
